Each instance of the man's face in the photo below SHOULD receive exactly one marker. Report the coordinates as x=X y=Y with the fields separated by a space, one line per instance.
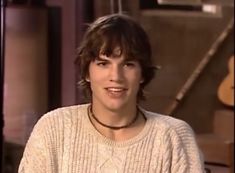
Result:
x=114 y=82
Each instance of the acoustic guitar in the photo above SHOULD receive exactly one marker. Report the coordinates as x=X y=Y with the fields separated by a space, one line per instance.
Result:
x=226 y=88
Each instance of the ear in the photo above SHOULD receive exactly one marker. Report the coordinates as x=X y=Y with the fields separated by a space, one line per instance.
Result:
x=87 y=79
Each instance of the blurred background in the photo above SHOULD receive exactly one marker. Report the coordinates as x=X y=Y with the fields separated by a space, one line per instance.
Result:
x=193 y=47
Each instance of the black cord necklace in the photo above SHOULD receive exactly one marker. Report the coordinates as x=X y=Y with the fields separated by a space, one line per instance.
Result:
x=90 y=112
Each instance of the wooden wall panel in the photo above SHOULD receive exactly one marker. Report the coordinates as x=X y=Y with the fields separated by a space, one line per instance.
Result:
x=179 y=43
x=180 y=39
x=25 y=97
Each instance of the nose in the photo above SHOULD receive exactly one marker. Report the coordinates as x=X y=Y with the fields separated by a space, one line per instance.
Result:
x=116 y=73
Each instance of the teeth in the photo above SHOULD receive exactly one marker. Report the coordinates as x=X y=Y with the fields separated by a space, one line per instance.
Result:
x=115 y=89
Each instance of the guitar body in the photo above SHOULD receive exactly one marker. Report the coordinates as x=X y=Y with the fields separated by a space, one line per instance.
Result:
x=226 y=88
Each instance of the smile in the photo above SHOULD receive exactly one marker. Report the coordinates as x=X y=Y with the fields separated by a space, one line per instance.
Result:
x=116 y=92
x=116 y=89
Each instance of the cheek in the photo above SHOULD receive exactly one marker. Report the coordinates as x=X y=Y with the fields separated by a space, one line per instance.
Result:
x=92 y=73
x=136 y=78
x=95 y=78
x=139 y=75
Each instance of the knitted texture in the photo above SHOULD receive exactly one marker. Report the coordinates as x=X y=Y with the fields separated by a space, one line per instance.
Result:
x=64 y=141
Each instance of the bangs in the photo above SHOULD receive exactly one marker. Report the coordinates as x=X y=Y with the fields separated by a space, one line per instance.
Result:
x=115 y=43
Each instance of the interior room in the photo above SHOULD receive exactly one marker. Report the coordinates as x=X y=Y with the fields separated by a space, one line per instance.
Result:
x=193 y=49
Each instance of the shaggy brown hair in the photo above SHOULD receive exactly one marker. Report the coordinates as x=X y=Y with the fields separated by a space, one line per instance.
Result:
x=109 y=32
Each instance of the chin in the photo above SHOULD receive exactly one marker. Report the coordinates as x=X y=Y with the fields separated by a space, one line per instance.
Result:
x=116 y=106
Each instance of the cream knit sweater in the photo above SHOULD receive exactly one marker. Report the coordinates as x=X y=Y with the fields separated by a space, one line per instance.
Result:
x=64 y=141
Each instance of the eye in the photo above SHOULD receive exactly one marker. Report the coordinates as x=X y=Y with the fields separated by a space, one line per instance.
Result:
x=101 y=63
x=130 y=64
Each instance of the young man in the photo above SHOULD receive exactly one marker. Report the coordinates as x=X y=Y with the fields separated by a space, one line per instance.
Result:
x=112 y=133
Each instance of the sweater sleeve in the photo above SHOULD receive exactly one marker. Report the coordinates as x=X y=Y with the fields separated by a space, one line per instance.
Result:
x=34 y=157
x=185 y=154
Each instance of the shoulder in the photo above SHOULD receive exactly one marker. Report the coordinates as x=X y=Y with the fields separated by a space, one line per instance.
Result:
x=165 y=120
x=58 y=122
x=62 y=116
x=178 y=141
x=66 y=112
x=168 y=124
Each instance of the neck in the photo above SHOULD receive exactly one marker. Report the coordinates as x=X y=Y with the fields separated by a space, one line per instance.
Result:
x=119 y=134
x=129 y=124
x=117 y=117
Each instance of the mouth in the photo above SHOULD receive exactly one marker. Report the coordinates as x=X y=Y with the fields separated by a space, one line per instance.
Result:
x=116 y=91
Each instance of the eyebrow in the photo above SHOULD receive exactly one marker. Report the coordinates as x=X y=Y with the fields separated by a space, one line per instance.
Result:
x=107 y=59
x=100 y=59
